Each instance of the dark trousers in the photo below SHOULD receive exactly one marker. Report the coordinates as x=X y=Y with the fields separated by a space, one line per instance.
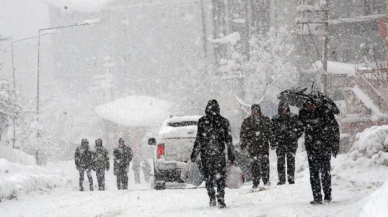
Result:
x=100 y=173
x=319 y=164
x=282 y=157
x=122 y=179
x=82 y=176
x=215 y=173
x=260 y=169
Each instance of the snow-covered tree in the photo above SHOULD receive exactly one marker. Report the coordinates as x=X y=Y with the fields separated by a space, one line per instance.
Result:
x=9 y=107
x=268 y=70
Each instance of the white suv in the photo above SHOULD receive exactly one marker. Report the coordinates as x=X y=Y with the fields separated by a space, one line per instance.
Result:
x=174 y=145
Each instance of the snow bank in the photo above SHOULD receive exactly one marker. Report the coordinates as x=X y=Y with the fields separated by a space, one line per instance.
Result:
x=378 y=203
x=135 y=111
x=16 y=156
x=372 y=141
x=79 y=5
x=16 y=179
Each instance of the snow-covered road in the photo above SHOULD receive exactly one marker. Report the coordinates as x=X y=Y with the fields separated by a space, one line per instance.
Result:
x=139 y=200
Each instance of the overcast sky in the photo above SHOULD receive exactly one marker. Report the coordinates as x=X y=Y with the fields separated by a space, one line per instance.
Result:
x=22 y=18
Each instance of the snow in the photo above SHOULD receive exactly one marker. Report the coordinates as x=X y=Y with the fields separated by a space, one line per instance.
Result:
x=356 y=19
x=372 y=141
x=367 y=101
x=79 y=5
x=17 y=179
x=377 y=204
x=232 y=38
x=340 y=68
x=242 y=21
x=304 y=8
x=16 y=156
x=91 y=22
x=135 y=111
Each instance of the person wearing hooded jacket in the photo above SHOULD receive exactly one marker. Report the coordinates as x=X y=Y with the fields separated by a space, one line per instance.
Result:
x=122 y=158
x=213 y=135
x=286 y=130
x=255 y=137
x=101 y=163
x=83 y=162
x=322 y=138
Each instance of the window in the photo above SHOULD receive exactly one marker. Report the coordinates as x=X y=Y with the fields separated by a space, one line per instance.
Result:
x=182 y=124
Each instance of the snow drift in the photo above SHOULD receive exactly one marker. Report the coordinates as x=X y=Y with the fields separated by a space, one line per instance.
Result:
x=377 y=204
x=16 y=156
x=18 y=179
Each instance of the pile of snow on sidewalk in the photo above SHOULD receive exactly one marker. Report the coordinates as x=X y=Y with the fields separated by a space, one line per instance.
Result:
x=16 y=179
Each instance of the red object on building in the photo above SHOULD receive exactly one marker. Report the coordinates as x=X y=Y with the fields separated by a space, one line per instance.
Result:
x=383 y=27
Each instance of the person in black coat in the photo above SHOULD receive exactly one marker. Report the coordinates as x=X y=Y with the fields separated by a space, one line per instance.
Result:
x=322 y=138
x=83 y=162
x=213 y=135
x=122 y=158
x=101 y=163
x=286 y=130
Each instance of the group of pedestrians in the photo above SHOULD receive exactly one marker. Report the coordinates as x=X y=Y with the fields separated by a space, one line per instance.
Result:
x=260 y=133
x=97 y=159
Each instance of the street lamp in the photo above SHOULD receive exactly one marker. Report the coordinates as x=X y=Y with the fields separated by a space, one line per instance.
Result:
x=84 y=23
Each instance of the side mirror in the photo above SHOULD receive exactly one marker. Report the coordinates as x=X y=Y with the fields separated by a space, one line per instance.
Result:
x=152 y=141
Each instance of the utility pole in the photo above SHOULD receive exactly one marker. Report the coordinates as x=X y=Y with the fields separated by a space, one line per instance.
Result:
x=316 y=16
x=326 y=34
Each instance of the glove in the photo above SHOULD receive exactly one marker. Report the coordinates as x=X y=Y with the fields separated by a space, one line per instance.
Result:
x=272 y=147
x=335 y=154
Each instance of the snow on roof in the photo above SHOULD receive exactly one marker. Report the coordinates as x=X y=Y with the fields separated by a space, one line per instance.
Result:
x=135 y=111
x=302 y=8
x=232 y=38
x=340 y=68
x=183 y=118
x=356 y=19
x=86 y=6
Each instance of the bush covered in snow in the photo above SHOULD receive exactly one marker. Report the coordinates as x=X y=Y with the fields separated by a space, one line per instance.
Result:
x=16 y=179
x=372 y=141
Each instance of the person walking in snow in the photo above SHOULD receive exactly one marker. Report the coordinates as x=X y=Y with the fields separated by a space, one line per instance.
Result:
x=286 y=130
x=83 y=162
x=136 y=169
x=146 y=167
x=101 y=163
x=213 y=135
x=122 y=158
x=255 y=137
x=322 y=138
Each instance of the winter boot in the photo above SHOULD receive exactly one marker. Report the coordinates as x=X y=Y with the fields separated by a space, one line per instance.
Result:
x=81 y=188
x=316 y=202
x=268 y=183
x=327 y=198
x=212 y=201
x=291 y=182
x=221 y=203
x=281 y=183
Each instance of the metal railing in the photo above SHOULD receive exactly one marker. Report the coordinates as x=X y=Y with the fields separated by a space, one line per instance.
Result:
x=372 y=92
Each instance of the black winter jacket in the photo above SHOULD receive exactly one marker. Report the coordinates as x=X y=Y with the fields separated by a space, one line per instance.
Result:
x=286 y=130
x=213 y=135
x=321 y=131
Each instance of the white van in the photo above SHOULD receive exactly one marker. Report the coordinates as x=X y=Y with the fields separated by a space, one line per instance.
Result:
x=174 y=145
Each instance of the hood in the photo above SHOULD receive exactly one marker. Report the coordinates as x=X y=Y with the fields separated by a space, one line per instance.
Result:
x=283 y=105
x=84 y=141
x=97 y=141
x=212 y=108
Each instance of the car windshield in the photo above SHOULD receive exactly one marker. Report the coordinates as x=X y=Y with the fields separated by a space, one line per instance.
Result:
x=182 y=124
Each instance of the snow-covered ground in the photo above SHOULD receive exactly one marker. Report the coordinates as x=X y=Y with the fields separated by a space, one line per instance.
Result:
x=358 y=190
